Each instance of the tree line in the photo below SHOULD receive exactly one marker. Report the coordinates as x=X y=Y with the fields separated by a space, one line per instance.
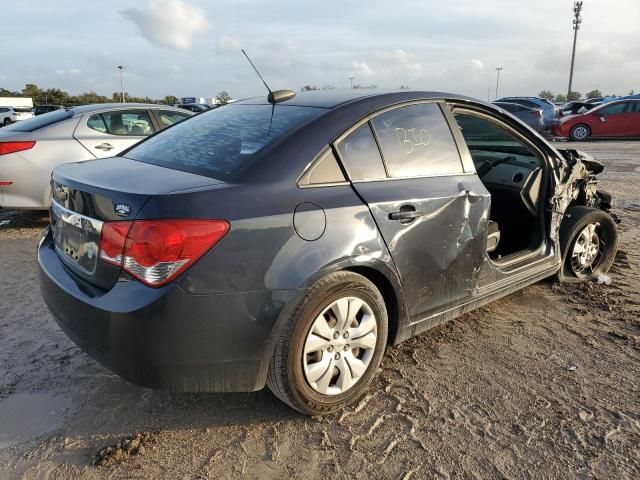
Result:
x=574 y=96
x=55 y=96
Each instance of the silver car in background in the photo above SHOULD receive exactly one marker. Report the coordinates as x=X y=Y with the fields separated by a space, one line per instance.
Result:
x=29 y=150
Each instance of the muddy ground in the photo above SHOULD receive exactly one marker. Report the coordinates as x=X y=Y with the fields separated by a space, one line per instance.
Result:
x=541 y=384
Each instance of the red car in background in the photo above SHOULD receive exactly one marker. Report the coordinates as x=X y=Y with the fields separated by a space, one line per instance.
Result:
x=620 y=118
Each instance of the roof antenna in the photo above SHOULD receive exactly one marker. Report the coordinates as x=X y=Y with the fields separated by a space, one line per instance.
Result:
x=274 y=97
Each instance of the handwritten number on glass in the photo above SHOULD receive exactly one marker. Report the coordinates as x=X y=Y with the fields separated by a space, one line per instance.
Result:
x=412 y=138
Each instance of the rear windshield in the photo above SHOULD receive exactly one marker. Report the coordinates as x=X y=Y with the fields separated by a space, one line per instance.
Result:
x=40 y=121
x=218 y=143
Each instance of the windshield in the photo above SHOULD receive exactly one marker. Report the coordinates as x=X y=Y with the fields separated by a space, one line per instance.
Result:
x=40 y=121
x=218 y=143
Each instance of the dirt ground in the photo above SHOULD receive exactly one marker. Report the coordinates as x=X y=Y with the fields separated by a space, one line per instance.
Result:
x=541 y=384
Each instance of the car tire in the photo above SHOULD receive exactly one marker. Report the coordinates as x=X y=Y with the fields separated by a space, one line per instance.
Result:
x=580 y=132
x=318 y=370
x=7 y=122
x=588 y=243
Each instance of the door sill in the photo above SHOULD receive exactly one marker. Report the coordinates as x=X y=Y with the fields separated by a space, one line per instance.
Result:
x=517 y=257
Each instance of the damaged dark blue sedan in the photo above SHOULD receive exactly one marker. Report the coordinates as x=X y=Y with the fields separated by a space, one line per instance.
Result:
x=288 y=241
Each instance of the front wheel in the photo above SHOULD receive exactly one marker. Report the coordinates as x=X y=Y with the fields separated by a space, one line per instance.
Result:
x=331 y=346
x=588 y=242
x=7 y=122
x=579 y=133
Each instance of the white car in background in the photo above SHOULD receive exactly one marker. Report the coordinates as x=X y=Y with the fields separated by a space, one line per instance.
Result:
x=29 y=150
x=9 y=115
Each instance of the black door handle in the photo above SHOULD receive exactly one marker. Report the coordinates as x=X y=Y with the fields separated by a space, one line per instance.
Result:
x=405 y=215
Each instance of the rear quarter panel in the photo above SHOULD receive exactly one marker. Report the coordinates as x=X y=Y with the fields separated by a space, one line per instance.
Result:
x=263 y=250
x=32 y=168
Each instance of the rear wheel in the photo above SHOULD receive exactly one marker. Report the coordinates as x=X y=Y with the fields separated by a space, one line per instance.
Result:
x=579 y=132
x=332 y=345
x=588 y=239
x=7 y=122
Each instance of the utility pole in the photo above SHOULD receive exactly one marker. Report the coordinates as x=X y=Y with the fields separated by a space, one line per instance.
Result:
x=121 y=68
x=351 y=80
x=577 y=20
x=498 y=69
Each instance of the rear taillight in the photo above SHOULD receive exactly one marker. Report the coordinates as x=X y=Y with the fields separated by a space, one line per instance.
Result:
x=156 y=251
x=12 y=147
x=114 y=235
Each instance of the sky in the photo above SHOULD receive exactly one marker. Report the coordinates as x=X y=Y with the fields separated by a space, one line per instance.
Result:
x=192 y=47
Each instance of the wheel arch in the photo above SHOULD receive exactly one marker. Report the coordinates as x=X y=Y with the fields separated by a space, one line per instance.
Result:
x=389 y=295
x=382 y=275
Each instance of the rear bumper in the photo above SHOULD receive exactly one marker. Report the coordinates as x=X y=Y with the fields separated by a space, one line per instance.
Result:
x=165 y=338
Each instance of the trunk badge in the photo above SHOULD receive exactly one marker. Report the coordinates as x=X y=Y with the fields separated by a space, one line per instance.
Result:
x=122 y=209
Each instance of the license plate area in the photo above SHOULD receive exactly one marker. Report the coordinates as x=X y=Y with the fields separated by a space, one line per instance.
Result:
x=76 y=237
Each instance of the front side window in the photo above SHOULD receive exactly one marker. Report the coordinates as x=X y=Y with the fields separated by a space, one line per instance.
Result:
x=360 y=155
x=220 y=142
x=616 y=109
x=132 y=123
x=416 y=141
x=491 y=144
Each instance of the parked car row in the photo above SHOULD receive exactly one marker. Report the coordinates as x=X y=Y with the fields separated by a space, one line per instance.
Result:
x=195 y=107
x=30 y=149
x=578 y=121
x=620 y=118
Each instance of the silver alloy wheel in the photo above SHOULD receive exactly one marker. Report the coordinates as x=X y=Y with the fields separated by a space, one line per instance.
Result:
x=580 y=133
x=587 y=250
x=340 y=346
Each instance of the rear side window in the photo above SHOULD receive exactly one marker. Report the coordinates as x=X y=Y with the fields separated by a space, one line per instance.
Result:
x=360 y=155
x=169 y=117
x=218 y=143
x=134 y=123
x=527 y=103
x=40 y=121
x=416 y=141
x=325 y=170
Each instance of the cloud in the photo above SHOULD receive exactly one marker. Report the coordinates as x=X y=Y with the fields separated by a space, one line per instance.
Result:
x=168 y=23
x=362 y=69
x=477 y=64
x=226 y=43
x=71 y=71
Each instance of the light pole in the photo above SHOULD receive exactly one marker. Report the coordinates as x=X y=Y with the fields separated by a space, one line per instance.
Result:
x=577 y=20
x=498 y=69
x=121 y=68
x=351 y=80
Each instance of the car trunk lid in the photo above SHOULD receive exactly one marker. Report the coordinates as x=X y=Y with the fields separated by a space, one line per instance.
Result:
x=88 y=194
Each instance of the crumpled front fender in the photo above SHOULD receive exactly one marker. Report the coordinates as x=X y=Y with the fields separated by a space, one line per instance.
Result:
x=577 y=186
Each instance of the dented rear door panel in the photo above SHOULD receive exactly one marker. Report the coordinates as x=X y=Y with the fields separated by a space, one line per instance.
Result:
x=440 y=252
